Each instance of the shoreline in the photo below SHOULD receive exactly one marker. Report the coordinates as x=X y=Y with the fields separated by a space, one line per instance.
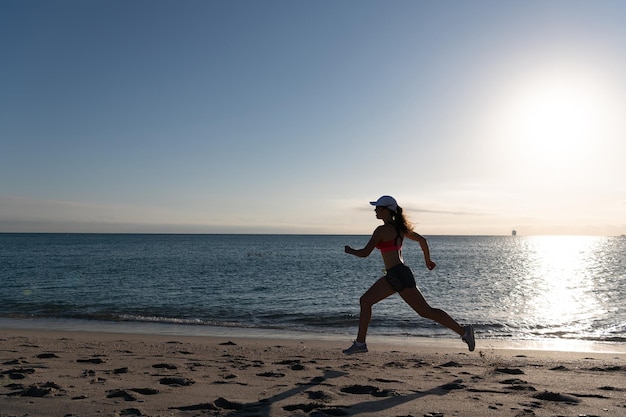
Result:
x=409 y=342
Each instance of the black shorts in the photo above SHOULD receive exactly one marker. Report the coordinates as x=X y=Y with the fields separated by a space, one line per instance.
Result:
x=400 y=277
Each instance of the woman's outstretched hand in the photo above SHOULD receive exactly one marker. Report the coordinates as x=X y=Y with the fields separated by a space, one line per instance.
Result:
x=430 y=265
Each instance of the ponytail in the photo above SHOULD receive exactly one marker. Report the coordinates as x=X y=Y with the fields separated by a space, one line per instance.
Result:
x=400 y=222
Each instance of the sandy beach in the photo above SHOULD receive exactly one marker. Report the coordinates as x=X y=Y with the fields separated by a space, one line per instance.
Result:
x=67 y=373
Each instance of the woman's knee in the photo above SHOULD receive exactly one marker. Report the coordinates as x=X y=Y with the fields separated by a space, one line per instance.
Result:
x=426 y=311
x=365 y=301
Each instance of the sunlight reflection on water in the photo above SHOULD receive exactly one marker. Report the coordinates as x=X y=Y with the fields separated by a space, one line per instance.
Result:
x=559 y=290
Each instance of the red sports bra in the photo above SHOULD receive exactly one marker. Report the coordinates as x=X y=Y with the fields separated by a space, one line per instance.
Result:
x=390 y=245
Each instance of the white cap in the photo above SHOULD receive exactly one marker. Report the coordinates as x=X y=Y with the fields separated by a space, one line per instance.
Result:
x=386 y=201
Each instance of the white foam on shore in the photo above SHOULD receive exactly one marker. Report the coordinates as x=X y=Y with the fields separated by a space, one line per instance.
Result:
x=412 y=342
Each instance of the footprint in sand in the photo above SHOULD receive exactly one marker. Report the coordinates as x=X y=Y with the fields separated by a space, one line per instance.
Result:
x=294 y=364
x=557 y=397
x=127 y=396
x=40 y=390
x=94 y=361
x=451 y=364
x=608 y=369
x=165 y=366
x=271 y=374
x=196 y=407
x=18 y=373
x=176 y=382
x=15 y=362
x=46 y=356
x=518 y=385
x=130 y=412
x=453 y=385
x=308 y=408
x=145 y=391
x=118 y=393
x=319 y=395
x=609 y=388
x=510 y=371
x=228 y=405
x=368 y=389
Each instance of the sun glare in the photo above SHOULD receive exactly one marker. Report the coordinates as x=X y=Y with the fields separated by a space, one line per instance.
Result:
x=555 y=121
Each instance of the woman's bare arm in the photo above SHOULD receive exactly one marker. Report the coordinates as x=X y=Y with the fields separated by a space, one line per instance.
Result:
x=424 y=245
x=365 y=252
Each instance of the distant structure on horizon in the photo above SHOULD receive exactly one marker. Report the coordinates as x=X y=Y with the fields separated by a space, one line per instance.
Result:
x=514 y=232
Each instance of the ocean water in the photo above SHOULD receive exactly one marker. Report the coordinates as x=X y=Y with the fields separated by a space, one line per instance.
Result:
x=509 y=287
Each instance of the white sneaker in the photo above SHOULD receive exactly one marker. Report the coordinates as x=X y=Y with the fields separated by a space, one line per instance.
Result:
x=468 y=337
x=356 y=348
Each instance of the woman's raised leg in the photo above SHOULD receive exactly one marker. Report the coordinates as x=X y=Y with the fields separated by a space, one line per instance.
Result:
x=414 y=298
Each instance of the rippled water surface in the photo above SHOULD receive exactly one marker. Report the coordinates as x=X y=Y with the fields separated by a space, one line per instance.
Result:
x=566 y=287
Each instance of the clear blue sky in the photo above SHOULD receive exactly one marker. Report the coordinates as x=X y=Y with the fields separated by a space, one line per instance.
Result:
x=290 y=116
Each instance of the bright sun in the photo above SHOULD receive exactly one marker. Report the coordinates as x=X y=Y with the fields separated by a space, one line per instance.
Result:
x=554 y=122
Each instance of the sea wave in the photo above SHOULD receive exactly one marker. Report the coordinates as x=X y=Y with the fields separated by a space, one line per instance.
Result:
x=522 y=288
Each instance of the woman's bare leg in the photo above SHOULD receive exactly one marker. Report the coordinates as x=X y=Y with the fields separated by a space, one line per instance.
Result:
x=414 y=298
x=377 y=292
